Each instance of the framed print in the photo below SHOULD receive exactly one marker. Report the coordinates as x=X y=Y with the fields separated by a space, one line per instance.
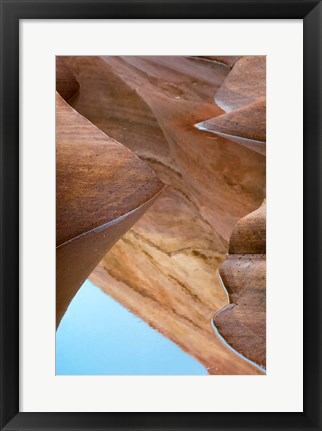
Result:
x=160 y=215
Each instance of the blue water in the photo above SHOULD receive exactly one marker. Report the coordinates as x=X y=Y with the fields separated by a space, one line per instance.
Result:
x=97 y=335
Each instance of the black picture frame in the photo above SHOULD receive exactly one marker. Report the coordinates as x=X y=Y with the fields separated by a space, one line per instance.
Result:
x=11 y=12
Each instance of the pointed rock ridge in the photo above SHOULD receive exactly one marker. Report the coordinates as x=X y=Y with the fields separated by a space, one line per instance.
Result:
x=246 y=125
x=102 y=189
x=66 y=83
x=242 y=323
x=243 y=97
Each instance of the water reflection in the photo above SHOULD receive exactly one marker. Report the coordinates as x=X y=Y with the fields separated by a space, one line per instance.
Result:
x=99 y=336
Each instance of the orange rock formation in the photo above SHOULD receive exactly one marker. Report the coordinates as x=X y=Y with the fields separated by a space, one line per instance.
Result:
x=101 y=190
x=164 y=268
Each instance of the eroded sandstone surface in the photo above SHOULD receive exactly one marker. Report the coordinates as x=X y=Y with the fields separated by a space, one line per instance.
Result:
x=102 y=189
x=165 y=268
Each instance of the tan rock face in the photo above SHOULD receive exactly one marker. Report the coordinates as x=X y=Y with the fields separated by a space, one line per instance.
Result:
x=101 y=190
x=164 y=268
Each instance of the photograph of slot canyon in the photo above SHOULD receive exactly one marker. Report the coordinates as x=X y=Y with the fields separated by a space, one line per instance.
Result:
x=161 y=215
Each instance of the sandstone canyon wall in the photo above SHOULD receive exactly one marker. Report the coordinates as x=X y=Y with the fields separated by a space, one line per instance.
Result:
x=165 y=268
